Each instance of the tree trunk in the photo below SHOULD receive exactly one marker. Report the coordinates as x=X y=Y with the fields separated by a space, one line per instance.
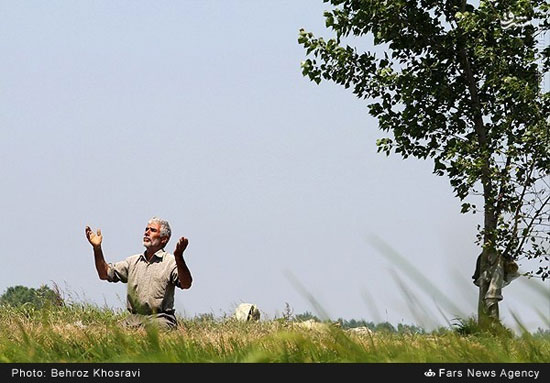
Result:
x=490 y=269
x=487 y=309
x=489 y=296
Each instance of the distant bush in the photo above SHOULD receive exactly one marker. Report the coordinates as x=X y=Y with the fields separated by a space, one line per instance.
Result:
x=353 y=323
x=306 y=316
x=21 y=295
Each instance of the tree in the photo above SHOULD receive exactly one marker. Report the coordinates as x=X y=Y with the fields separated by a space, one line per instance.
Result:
x=20 y=295
x=461 y=84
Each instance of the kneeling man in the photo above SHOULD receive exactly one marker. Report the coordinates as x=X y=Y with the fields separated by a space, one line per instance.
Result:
x=151 y=276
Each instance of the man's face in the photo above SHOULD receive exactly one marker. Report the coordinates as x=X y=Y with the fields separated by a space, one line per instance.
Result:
x=152 y=237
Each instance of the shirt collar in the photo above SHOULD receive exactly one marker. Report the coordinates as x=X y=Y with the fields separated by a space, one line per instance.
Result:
x=159 y=254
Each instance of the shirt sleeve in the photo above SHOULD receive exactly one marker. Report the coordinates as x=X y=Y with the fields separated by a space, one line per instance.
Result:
x=118 y=272
x=174 y=278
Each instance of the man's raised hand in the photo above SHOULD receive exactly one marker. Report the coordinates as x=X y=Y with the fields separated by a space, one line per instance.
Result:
x=181 y=246
x=94 y=239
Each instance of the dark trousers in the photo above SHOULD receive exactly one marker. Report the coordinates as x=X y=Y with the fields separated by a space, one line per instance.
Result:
x=164 y=321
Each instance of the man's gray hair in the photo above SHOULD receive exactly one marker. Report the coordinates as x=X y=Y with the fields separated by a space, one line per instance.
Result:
x=165 y=230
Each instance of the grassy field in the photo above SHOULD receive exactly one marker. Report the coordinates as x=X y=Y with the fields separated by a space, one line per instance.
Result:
x=84 y=333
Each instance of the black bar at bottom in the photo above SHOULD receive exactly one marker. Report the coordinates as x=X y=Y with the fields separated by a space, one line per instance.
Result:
x=368 y=372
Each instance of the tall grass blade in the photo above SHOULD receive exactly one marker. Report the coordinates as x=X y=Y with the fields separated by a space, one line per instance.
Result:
x=421 y=314
x=409 y=269
x=323 y=315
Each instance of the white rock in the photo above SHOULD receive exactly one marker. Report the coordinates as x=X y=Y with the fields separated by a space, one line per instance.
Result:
x=247 y=312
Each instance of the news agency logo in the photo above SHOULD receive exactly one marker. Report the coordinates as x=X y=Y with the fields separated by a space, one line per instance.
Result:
x=429 y=373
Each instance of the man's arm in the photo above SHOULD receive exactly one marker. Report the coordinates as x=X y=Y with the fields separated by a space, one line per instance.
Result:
x=100 y=264
x=184 y=274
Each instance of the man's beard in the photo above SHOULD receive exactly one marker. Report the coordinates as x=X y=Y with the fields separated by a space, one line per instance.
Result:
x=151 y=243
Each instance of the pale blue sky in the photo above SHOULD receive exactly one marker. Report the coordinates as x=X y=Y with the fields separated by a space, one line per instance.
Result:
x=196 y=111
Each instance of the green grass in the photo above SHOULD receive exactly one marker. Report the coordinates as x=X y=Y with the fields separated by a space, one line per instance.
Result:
x=86 y=333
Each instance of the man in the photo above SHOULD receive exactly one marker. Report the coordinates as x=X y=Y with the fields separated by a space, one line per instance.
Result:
x=151 y=276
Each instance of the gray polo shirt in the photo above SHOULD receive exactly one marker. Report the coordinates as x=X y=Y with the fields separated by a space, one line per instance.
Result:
x=150 y=284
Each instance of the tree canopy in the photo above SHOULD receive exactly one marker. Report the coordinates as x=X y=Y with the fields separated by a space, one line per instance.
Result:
x=463 y=85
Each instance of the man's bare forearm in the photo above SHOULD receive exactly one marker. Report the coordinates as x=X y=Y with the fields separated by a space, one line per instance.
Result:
x=100 y=264
x=184 y=274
